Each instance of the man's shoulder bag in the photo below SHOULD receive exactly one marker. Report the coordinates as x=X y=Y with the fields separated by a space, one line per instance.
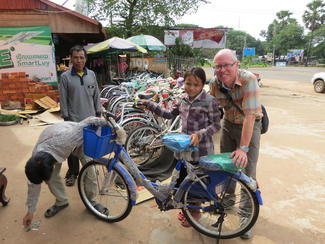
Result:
x=265 y=120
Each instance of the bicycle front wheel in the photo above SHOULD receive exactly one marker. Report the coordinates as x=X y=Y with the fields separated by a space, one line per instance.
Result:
x=105 y=194
x=142 y=144
x=236 y=212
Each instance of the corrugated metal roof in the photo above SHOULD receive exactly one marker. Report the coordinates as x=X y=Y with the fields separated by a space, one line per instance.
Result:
x=21 y=4
x=43 y=5
x=81 y=16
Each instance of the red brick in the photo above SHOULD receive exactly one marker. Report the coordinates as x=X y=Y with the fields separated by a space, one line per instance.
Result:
x=8 y=91
x=4 y=75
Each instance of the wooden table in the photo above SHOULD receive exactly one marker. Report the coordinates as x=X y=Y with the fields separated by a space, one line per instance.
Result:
x=3 y=184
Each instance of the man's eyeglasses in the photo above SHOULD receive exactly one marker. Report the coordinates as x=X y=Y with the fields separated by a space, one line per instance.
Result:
x=226 y=66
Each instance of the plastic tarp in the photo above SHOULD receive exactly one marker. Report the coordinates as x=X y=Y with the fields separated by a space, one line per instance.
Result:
x=178 y=142
x=221 y=161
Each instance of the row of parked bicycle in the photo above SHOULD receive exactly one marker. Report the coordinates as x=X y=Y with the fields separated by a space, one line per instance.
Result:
x=144 y=129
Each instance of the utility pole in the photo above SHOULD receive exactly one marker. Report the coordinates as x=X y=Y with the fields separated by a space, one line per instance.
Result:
x=273 y=51
x=245 y=37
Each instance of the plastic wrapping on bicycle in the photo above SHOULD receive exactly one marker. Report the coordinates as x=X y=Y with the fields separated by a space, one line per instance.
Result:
x=178 y=142
x=221 y=161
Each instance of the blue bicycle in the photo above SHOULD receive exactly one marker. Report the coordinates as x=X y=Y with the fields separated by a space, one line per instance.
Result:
x=227 y=201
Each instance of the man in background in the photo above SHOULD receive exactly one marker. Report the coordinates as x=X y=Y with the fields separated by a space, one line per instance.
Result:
x=79 y=99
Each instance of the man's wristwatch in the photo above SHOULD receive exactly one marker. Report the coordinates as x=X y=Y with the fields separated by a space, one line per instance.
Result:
x=244 y=148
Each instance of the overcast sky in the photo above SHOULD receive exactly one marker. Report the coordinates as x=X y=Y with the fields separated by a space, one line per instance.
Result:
x=250 y=16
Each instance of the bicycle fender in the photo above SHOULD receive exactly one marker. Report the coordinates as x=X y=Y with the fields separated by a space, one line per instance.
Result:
x=129 y=181
x=259 y=197
x=252 y=184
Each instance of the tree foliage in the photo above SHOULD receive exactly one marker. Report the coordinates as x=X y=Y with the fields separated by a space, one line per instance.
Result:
x=318 y=44
x=313 y=18
x=133 y=15
x=180 y=49
x=237 y=39
x=283 y=33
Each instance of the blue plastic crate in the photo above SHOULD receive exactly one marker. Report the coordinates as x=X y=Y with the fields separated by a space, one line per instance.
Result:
x=97 y=146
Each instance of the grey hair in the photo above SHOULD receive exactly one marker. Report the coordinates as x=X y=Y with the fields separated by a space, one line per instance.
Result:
x=226 y=50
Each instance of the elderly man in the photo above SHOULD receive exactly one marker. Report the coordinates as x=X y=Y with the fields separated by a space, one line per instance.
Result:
x=237 y=91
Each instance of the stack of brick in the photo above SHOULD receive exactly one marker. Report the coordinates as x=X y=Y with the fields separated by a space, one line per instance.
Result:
x=16 y=86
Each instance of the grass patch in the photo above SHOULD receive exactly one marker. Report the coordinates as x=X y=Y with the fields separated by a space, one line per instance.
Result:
x=8 y=117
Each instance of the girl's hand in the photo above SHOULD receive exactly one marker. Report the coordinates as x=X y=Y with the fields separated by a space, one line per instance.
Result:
x=142 y=104
x=195 y=139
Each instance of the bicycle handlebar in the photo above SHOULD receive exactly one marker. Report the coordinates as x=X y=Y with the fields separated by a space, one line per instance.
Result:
x=110 y=118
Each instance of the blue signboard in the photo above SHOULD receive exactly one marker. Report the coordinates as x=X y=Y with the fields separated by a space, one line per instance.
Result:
x=249 y=51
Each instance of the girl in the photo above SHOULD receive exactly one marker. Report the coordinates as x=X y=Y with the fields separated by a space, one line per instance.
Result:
x=200 y=118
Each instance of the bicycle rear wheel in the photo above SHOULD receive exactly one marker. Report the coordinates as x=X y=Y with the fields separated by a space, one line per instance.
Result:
x=109 y=189
x=236 y=212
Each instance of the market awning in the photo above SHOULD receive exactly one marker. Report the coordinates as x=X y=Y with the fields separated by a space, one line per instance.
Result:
x=115 y=44
x=151 y=43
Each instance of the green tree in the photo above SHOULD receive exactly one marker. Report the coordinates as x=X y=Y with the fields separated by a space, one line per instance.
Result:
x=289 y=37
x=134 y=15
x=318 y=50
x=237 y=40
x=282 y=34
x=313 y=18
x=283 y=18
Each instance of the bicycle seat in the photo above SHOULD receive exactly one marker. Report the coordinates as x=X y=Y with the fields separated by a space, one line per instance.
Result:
x=146 y=95
x=178 y=142
x=217 y=162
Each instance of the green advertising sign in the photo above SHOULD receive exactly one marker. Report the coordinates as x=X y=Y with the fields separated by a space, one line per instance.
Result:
x=29 y=50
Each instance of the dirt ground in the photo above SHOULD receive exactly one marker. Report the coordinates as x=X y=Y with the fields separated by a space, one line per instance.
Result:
x=290 y=173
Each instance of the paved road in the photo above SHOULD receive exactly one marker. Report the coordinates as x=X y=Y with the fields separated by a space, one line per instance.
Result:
x=303 y=74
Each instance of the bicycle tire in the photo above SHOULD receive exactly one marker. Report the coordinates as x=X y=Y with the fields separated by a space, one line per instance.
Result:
x=112 y=191
x=116 y=105
x=137 y=143
x=209 y=215
x=131 y=124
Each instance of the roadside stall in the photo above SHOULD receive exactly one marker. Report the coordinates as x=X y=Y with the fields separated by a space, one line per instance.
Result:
x=109 y=58
x=153 y=61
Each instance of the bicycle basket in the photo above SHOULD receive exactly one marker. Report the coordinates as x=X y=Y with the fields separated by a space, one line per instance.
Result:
x=221 y=161
x=178 y=142
x=96 y=146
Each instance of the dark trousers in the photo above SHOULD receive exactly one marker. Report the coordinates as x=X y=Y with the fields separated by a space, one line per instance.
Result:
x=73 y=163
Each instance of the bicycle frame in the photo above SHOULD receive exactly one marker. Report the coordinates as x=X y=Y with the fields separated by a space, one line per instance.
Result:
x=163 y=193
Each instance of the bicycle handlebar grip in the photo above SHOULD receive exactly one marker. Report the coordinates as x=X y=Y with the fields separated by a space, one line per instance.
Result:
x=110 y=118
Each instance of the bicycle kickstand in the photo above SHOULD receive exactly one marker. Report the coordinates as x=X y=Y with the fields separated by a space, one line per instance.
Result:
x=219 y=225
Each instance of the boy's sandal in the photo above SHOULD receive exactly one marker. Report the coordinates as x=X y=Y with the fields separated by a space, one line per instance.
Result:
x=70 y=180
x=54 y=210
x=100 y=208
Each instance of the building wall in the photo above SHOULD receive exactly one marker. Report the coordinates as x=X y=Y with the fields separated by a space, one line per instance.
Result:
x=60 y=22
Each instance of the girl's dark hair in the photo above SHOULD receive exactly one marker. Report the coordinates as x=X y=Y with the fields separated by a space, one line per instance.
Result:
x=39 y=167
x=78 y=48
x=196 y=72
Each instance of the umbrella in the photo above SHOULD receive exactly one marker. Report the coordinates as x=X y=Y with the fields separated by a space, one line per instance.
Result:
x=149 y=42
x=114 y=44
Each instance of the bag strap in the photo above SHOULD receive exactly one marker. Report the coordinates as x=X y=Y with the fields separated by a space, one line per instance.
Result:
x=225 y=92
